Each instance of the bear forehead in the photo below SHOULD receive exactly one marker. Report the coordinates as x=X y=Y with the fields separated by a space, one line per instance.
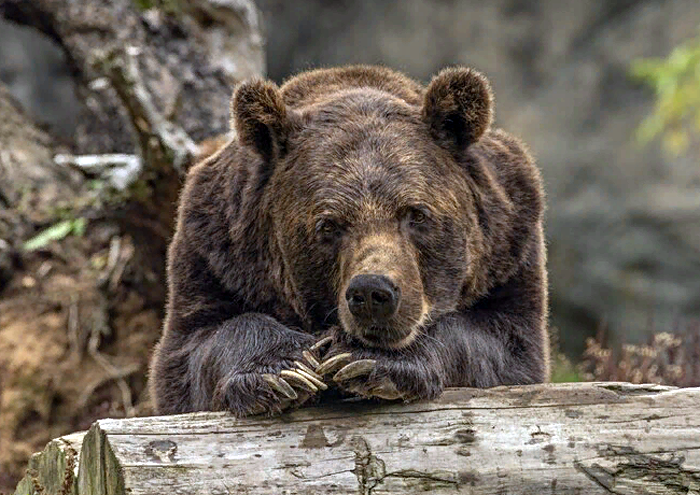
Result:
x=367 y=131
x=363 y=152
x=374 y=173
x=357 y=102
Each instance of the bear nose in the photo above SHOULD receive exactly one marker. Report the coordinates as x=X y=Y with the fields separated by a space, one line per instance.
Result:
x=372 y=298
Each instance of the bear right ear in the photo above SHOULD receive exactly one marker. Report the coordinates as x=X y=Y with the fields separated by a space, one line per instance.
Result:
x=458 y=107
x=260 y=118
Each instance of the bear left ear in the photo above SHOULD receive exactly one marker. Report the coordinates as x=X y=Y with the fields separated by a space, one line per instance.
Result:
x=261 y=118
x=458 y=107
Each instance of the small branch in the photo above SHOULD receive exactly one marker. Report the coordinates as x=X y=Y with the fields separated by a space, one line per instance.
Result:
x=113 y=372
x=120 y=170
x=74 y=326
x=162 y=144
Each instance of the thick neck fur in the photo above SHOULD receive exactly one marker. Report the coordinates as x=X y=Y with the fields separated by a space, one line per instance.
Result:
x=509 y=204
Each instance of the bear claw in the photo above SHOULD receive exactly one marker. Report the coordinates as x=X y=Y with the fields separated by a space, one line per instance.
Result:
x=311 y=359
x=321 y=343
x=386 y=390
x=355 y=369
x=333 y=363
x=299 y=380
x=310 y=376
x=305 y=368
x=280 y=385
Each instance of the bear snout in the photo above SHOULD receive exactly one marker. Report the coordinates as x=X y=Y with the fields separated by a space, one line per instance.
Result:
x=372 y=299
x=381 y=299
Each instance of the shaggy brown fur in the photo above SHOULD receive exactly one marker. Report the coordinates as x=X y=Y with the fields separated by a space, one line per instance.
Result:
x=340 y=177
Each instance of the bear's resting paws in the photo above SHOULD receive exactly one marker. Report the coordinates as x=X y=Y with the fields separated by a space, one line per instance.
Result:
x=270 y=391
x=301 y=376
x=374 y=378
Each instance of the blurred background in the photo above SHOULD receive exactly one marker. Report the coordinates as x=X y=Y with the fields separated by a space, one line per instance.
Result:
x=606 y=93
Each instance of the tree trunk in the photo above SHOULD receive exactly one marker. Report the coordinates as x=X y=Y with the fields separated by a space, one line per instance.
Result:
x=151 y=80
x=585 y=438
x=186 y=67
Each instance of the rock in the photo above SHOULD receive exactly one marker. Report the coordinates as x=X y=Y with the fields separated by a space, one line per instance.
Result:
x=34 y=69
x=233 y=32
x=198 y=49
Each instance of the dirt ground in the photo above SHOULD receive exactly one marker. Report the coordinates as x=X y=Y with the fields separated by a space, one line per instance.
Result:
x=79 y=314
x=75 y=339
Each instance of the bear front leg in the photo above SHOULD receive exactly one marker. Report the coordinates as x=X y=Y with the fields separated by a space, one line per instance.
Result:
x=413 y=373
x=250 y=364
x=486 y=347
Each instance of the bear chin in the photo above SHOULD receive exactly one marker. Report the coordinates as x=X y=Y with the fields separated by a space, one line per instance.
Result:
x=375 y=336
x=393 y=335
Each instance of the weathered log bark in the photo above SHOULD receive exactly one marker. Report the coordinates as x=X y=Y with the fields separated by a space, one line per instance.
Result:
x=585 y=438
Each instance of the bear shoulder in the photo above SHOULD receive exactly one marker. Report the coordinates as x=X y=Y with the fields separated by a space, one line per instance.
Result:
x=515 y=168
x=510 y=204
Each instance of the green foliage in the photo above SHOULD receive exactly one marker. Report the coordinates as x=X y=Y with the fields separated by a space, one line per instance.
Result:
x=676 y=82
x=143 y=4
x=56 y=232
x=563 y=370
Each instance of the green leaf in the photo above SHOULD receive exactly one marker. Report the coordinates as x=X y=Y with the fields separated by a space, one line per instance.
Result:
x=649 y=129
x=676 y=83
x=563 y=370
x=79 y=226
x=54 y=233
x=646 y=69
x=676 y=141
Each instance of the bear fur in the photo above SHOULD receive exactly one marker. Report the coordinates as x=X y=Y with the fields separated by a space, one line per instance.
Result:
x=345 y=172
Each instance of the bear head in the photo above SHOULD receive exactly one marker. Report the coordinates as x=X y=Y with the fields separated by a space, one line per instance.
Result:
x=369 y=198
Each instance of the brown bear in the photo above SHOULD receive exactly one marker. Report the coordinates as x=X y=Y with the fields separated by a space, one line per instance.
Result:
x=361 y=231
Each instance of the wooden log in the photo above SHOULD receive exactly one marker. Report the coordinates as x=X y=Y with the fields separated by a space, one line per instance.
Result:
x=579 y=438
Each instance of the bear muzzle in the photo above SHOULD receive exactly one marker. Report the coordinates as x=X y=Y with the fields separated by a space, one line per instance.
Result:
x=373 y=302
x=381 y=294
x=372 y=299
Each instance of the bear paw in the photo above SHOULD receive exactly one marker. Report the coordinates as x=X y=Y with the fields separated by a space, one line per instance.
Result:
x=248 y=394
x=382 y=378
x=301 y=377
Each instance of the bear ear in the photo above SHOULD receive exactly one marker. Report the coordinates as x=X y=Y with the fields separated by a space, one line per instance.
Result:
x=458 y=107
x=261 y=118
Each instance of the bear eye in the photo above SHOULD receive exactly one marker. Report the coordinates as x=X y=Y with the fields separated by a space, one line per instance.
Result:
x=327 y=229
x=416 y=216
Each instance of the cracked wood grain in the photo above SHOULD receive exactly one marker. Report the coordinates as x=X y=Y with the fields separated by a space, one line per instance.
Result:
x=586 y=438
